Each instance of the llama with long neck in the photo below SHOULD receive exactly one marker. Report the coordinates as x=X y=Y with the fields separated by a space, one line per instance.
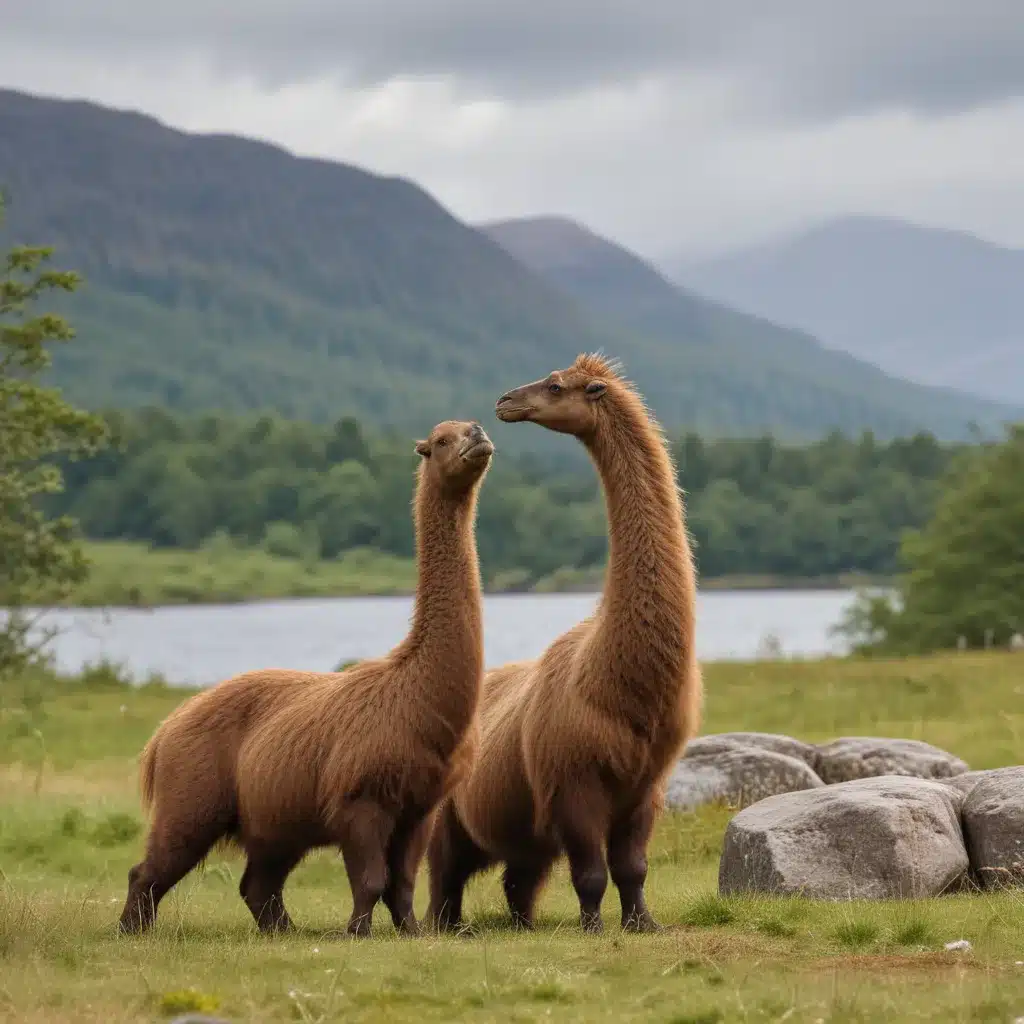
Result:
x=282 y=762
x=575 y=746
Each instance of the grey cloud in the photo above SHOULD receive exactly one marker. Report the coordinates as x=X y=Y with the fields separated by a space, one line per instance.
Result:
x=805 y=59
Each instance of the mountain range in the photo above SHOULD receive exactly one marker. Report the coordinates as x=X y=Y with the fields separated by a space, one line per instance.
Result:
x=936 y=306
x=224 y=273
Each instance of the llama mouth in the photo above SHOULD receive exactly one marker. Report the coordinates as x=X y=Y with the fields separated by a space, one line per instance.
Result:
x=478 y=451
x=513 y=414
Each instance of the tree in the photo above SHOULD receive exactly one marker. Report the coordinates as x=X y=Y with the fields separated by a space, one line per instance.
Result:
x=39 y=557
x=964 y=582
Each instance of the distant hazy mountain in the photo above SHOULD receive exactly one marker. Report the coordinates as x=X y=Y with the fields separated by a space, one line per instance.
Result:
x=720 y=354
x=223 y=273
x=935 y=306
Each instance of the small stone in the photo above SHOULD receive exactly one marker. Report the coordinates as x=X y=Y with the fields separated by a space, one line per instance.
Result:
x=960 y=944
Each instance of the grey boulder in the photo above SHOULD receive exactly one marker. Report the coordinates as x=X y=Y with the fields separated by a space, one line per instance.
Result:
x=877 y=838
x=860 y=757
x=993 y=820
x=774 y=742
x=736 y=776
x=965 y=782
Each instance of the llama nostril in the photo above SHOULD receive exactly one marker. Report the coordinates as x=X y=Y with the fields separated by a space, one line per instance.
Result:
x=476 y=430
x=504 y=398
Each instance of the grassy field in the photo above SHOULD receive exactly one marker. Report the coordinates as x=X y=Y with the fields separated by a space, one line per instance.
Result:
x=125 y=574
x=70 y=828
x=128 y=574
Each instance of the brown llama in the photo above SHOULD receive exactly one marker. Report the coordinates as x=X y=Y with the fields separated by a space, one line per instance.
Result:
x=574 y=748
x=281 y=762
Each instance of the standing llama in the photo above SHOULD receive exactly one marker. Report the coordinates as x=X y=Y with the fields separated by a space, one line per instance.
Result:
x=575 y=747
x=282 y=762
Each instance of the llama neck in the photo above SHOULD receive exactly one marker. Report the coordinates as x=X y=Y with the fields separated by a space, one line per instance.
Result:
x=446 y=635
x=644 y=625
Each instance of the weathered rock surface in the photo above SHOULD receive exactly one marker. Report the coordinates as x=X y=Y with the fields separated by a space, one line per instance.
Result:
x=860 y=757
x=993 y=823
x=737 y=776
x=964 y=782
x=774 y=742
x=874 y=838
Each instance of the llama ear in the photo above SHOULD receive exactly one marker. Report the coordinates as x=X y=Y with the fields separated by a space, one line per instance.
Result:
x=423 y=448
x=595 y=389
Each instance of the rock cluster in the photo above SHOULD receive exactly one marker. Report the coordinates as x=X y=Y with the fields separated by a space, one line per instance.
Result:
x=741 y=768
x=890 y=836
x=858 y=818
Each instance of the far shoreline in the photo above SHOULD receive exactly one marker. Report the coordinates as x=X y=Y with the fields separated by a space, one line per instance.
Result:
x=715 y=585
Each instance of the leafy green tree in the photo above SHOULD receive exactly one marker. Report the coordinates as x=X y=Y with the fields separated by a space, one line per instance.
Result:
x=964 y=582
x=39 y=556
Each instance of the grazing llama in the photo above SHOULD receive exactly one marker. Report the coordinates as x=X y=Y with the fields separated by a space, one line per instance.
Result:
x=575 y=747
x=281 y=762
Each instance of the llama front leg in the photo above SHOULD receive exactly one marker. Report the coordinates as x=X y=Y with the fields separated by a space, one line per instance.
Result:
x=627 y=861
x=364 y=844
x=581 y=821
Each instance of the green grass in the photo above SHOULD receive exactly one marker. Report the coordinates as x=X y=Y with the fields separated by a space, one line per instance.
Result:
x=70 y=828
x=125 y=573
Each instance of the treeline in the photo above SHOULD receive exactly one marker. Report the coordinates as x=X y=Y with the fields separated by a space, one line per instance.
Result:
x=755 y=507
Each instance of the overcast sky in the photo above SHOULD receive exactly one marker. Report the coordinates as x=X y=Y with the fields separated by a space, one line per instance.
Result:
x=672 y=125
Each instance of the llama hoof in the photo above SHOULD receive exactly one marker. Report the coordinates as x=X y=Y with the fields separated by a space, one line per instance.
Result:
x=277 y=927
x=441 y=924
x=641 y=923
x=521 y=924
x=410 y=928
x=591 y=923
x=359 y=928
x=133 y=923
x=130 y=926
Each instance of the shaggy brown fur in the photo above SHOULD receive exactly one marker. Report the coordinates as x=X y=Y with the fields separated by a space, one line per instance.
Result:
x=282 y=762
x=575 y=747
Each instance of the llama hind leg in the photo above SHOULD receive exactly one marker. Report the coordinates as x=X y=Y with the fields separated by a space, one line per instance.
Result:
x=453 y=858
x=627 y=861
x=405 y=853
x=262 y=885
x=522 y=883
x=170 y=855
x=364 y=844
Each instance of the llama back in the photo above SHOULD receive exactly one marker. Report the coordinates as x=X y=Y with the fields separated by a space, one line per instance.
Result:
x=195 y=749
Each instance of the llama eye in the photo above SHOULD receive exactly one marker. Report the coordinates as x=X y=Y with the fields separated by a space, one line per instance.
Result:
x=441 y=442
x=554 y=388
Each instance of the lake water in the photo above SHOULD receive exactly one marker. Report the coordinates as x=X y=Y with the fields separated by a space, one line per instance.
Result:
x=201 y=644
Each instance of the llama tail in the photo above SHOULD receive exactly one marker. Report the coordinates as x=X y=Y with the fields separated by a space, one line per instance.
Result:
x=147 y=773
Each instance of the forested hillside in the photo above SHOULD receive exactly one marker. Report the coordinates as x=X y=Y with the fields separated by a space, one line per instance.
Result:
x=226 y=274
x=754 y=507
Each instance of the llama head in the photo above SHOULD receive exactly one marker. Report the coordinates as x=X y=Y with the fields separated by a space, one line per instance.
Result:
x=455 y=455
x=568 y=401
